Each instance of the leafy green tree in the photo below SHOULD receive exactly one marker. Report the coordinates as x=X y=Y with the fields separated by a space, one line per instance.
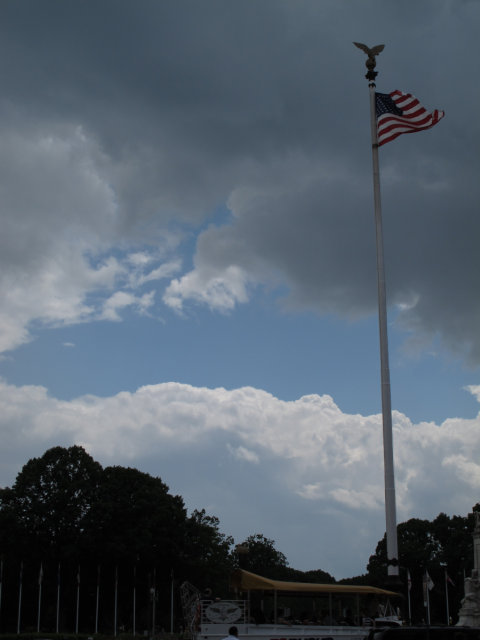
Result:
x=438 y=546
x=113 y=529
x=208 y=553
x=135 y=535
x=42 y=527
x=43 y=515
x=135 y=517
x=319 y=576
x=454 y=535
x=417 y=548
x=263 y=558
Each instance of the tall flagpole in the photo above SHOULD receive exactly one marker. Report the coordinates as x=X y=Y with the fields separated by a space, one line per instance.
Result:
x=20 y=585
x=154 y=597
x=40 y=580
x=134 y=598
x=171 y=602
x=115 y=603
x=446 y=597
x=426 y=594
x=390 y=505
x=97 y=600
x=409 y=588
x=77 y=615
x=1 y=582
x=58 y=599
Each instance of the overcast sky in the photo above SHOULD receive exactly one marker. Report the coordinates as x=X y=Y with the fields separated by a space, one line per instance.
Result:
x=187 y=257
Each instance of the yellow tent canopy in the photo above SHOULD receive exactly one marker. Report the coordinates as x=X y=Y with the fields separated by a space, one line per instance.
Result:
x=246 y=581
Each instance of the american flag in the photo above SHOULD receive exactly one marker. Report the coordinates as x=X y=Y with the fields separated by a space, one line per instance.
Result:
x=428 y=581
x=448 y=579
x=399 y=112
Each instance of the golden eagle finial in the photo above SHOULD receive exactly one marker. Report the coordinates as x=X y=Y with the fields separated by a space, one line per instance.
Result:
x=371 y=53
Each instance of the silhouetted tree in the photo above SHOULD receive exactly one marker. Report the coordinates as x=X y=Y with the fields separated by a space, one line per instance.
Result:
x=444 y=544
x=45 y=512
x=263 y=558
x=107 y=531
x=42 y=527
x=134 y=517
x=208 y=553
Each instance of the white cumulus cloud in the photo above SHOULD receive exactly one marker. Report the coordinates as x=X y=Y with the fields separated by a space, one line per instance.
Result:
x=306 y=454
x=219 y=290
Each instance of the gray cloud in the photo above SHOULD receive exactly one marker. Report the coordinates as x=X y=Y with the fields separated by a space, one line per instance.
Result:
x=117 y=120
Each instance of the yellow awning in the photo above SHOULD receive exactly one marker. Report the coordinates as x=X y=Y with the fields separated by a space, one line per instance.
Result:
x=247 y=581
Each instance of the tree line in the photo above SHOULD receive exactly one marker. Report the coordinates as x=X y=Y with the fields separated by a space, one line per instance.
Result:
x=68 y=523
x=89 y=549
x=443 y=548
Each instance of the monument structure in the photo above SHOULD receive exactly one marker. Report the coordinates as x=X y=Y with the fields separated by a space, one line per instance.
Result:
x=470 y=610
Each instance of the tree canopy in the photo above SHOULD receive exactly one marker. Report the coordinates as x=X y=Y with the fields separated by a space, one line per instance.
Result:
x=136 y=517
x=69 y=516
x=263 y=558
x=443 y=547
x=49 y=504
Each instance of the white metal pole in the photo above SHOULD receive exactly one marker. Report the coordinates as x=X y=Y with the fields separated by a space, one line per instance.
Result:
x=1 y=582
x=134 y=598
x=39 y=607
x=171 y=606
x=428 y=605
x=409 y=588
x=58 y=599
x=40 y=580
x=115 y=603
x=446 y=597
x=426 y=597
x=78 y=601
x=19 y=615
x=154 y=597
x=390 y=506
x=97 y=600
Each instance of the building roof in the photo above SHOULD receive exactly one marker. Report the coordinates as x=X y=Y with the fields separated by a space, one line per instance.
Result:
x=247 y=581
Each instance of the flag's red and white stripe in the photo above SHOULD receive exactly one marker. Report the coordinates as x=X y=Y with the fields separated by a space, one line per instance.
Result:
x=414 y=118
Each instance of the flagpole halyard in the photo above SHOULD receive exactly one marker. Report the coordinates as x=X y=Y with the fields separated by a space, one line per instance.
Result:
x=390 y=500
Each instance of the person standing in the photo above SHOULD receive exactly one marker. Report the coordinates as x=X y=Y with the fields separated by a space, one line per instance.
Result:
x=232 y=634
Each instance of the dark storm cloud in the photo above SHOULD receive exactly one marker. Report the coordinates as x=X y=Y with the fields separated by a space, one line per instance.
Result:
x=189 y=105
x=206 y=84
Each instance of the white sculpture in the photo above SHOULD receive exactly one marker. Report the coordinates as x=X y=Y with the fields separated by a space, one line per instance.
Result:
x=470 y=610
